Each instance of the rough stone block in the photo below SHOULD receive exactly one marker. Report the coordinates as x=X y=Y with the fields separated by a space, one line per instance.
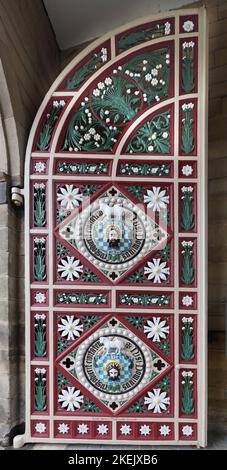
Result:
x=4 y=238
x=220 y=57
x=218 y=89
x=217 y=42
x=217 y=149
x=218 y=74
x=215 y=107
x=217 y=168
x=4 y=287
x=218 y=186
x=218 y=27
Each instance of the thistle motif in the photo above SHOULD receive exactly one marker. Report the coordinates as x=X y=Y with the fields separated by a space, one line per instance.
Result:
x=187 y=212
x=187 y=271
x=49 y=125
x=39 y=259
x=187 y=406
x=40 y=335
x=187 y=139
x=188 y=73
x=187 y=353
x=40 y=389
x=39 y=205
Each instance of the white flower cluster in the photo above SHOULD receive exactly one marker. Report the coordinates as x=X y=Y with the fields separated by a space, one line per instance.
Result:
x=186 y=244
x=91 y=135
x=188 y=26
x=41 y=316
x=167 y=28
x=39 y=186
x=60 y=103
x=104 y=54
x=39 y=240
x=101 y=86
x=150 y=77
x=187 y=374
x=187 y=106
x=40 y=371
x=188 y=45
x=187 y=189
x=187 y=321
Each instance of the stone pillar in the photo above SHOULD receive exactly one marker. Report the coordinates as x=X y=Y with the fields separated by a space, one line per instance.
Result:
x=12 y=311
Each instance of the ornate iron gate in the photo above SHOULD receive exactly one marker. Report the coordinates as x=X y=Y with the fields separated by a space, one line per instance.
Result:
x=115 y=242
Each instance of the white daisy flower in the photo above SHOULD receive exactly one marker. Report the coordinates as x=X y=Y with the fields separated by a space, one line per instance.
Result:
x=187 y=431
x=157 y=401
x=40 y=428
x=156 y=199
x=63 y=428
x=70 y=327
x=145 y=430
x=187 y=170
x=82 y=428
x=157 y=271
x=164 y=430
x=187 y=300
x=70 y=398
x=125 y=429
x=102 y=429
x=40 y=298
x=188 y=26
x=69 y=196
x=40 y=167
x=156 y=329
x=70 y=268
x=165 y=135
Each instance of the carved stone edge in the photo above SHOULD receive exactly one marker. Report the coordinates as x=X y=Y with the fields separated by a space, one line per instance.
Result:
x=18 y=441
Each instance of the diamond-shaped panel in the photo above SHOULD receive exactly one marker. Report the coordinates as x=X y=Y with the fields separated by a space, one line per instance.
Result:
x=113 y=233
x=114 y=364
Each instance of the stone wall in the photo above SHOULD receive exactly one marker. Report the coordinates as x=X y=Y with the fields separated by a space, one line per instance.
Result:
x=29 y=63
